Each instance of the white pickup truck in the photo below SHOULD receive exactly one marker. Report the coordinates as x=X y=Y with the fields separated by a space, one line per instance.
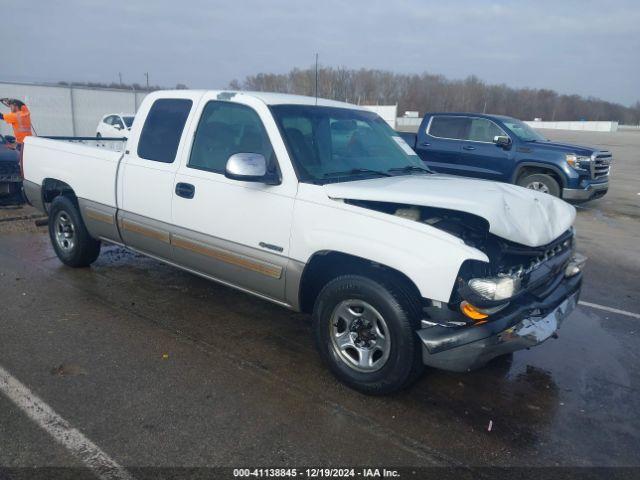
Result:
x=320 y=207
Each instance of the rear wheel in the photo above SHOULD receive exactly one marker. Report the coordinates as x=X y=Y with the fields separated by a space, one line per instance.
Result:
x=540 y=182
x=98 y=135
x=69 y=236
x=365 y=331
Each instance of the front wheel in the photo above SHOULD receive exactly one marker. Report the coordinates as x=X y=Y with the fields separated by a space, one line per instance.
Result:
x=541 y=182
x=69 y=236
x=365 y=331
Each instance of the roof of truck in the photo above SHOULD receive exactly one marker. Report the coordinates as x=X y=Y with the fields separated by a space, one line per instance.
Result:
x=469 y=114
x=270 y=98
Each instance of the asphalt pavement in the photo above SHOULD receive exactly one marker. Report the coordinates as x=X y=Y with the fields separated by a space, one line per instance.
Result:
x=160 y=368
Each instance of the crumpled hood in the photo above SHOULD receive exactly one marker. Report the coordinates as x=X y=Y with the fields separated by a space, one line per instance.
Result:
x=514 y=213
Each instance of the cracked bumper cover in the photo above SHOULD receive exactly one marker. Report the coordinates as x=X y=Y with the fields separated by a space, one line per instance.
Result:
x=525 y=325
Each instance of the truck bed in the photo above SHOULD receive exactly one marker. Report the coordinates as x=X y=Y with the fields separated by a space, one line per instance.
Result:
x=89 y=164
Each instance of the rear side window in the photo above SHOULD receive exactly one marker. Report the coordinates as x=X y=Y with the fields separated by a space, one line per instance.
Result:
x=163 y=128
x=227 y=128
x=449 y=127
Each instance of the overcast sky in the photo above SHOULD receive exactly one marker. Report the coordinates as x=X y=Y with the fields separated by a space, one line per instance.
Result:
x=585 y=47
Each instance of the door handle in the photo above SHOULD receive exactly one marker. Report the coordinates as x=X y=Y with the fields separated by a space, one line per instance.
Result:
x=425 y=144
x=185 y=190
x=468 y=147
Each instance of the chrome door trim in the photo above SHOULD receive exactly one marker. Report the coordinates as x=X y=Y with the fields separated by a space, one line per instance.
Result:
x=462 y=139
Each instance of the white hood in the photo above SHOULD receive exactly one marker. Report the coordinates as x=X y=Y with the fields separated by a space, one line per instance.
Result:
x=514 y=213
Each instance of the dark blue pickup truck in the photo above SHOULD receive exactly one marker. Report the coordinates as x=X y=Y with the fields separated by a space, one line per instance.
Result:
x=507 y=150
x=10 y=179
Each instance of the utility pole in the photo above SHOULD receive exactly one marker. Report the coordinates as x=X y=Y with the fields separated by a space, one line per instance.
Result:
x=120 y=77
x=316 y=79
x=147 y=75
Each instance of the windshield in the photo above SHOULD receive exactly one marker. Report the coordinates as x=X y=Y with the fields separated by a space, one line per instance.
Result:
x=523 y=131
x=128 y=121
x=330 y=144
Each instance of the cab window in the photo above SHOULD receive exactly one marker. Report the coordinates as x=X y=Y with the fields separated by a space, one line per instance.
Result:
x=483 y=130
x=163 y=128
x=227 y=128
x=455 y=128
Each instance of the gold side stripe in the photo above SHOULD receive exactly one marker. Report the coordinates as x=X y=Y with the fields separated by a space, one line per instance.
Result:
x=226 y=256
x=143 y=230
x=99 y=216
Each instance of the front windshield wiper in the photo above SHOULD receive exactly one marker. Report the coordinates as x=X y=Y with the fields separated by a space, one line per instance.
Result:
x=355 y=171
x=410 y=168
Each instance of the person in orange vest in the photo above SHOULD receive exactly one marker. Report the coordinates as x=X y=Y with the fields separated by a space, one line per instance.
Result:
x=19 y=119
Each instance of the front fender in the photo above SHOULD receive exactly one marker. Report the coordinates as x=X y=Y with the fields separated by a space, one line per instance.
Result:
x=429 y=257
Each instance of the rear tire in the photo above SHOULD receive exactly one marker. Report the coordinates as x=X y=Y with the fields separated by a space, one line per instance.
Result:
x=541 y=182
x=365 y=331
x=69 y=236
x=98 y=135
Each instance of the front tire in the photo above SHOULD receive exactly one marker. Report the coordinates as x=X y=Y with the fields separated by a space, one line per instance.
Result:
x=365 y=331
x=69 y=236
x=541 y=182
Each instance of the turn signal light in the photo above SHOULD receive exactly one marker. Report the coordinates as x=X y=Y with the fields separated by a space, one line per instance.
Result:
x=472 y=312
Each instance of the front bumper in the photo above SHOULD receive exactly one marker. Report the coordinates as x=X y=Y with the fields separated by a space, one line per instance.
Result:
x=525 y=325
x=593 y=190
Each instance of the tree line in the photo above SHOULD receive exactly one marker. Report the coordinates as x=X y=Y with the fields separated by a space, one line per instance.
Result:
x=120 y=86
x=428 y=92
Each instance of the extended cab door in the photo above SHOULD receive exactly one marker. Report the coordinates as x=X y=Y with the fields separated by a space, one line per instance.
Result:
x=235 y=231
x=146 y=178
x=480 y=156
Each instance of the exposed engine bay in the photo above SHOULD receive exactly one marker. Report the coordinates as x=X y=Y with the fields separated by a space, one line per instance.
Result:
x=505 y=257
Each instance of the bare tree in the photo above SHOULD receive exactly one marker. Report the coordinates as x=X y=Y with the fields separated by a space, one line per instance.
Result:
x=428 y=92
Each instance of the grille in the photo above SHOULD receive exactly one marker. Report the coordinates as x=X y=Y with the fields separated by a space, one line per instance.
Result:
x=9 y=168
x=523 y=260
x=549 y=253
x=600 y=164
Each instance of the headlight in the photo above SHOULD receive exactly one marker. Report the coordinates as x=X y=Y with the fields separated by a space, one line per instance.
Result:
x=578 y=161
x=575 y=265
x=495 y=288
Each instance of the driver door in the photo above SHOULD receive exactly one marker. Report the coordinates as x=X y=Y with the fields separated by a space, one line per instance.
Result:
x=235 y=231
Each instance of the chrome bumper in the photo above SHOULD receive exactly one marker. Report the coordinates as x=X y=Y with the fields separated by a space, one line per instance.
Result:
x=593 y=190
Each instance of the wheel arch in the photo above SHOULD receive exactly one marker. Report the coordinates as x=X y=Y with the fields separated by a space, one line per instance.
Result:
x=52 y=188
x=526 y=168
x=325 y=265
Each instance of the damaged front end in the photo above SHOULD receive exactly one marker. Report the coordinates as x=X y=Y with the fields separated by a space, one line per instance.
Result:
x=516 y=300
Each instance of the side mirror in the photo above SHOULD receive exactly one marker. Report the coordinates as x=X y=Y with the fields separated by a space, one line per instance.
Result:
x=249 y=167
x=10 y=139
x=502 y=141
